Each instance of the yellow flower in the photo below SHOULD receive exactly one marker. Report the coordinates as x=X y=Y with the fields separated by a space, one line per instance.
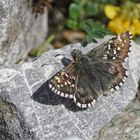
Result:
x=111 y=11
x=126 y=18
x=116 y=25
x=119 y=25
x=135 y=27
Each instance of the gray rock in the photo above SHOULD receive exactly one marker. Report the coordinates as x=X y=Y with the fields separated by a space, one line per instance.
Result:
x=125 y=126
x=12 y=125
x=19 y=30
x=71 y=138
x=51 y=117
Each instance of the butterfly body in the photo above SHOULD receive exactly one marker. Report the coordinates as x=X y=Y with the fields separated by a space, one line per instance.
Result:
x=90 y=75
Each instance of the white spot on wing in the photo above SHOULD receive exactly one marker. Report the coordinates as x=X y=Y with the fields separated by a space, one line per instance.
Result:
x=112 y=90
x=109 y=46
x=73 y=77
x=105 y=56
x=58 y=86
x=120 y=83
x=50 y=85
x=126 y=72
x=89 y=104
x=123 y=79
x=93 y=102
x=130 y=35
x=72 y=85
x=70 y=96
x=117 y=88
x=74 y=99
x=78 y=104
x=66 y=95
x=53 y=88
x=62 y=94
x=119 y=38
x=65 y=83
x=82 y=105
x=114 y=51
x=55 y=91
x=58 y=93
x=118 y=48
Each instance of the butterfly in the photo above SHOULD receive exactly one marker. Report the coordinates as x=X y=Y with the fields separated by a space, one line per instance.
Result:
x=90 y=75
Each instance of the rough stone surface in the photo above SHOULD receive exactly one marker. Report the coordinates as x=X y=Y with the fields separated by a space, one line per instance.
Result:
x=12 y=125
x=51 y=117
x=19 y=30
x=125 y=126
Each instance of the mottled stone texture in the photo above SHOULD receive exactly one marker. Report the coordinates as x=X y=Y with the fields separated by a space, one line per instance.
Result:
x=19 y=30
x=125 y=126
x=12 y=124
x=51 y=117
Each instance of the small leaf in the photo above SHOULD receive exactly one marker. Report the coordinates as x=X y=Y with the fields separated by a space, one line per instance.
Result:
x=92 y=9
x=74 y=11
x=94 y=30
x=72 y=24
x=97 y=34
x=88 y=39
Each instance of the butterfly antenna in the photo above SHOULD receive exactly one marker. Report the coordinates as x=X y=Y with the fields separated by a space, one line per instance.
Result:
x=48 y=64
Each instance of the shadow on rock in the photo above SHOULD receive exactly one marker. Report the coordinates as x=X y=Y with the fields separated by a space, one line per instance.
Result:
x=44 y=95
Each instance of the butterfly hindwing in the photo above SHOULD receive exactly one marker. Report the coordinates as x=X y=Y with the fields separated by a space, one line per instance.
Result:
x=110 y=75
x=87 y=89
x=89 y=85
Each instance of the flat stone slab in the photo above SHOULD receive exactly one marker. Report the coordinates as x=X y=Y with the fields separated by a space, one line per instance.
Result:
x=51 y=117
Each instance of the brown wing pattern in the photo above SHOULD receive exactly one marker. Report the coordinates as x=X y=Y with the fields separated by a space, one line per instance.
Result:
x=116 y=48
x=63 y=83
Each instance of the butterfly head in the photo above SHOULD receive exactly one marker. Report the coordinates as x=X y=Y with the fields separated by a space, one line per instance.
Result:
x=76 y=54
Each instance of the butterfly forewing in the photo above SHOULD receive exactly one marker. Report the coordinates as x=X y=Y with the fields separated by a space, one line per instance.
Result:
x=63 y=83
x=116 y=48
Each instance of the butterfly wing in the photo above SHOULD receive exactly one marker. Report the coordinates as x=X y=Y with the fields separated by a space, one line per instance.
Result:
x=105 y=70
x=93 y=82
x=110 y=75
x=87 y=89
x=116 y=48
x=63 y=83
x=111 y=54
